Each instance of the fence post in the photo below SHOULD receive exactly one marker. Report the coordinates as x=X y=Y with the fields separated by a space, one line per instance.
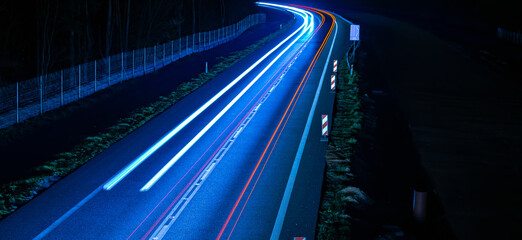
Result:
x=17 y=104
x=61 y=87
x=41 y=95
x=95 y=69
x=79 y=81
x=122 y=67
x=163 y=54
x=109 y=71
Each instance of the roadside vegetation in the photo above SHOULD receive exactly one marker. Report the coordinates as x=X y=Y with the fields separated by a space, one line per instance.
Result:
x=338 y=193
x=16 y=193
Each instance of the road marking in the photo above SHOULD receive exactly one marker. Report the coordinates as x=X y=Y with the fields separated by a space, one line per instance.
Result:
x=169 y=164
x=67 y=214
x=110 y=184
x=293 y=174
x=187 y=196
x=286 y=115
x=180 y=206
x=138 y=161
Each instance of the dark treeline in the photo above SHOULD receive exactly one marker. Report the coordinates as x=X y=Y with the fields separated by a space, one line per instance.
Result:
x=39 y=37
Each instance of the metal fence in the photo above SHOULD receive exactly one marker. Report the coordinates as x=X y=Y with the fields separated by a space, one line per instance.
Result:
x=35 y=96
x=514 y=37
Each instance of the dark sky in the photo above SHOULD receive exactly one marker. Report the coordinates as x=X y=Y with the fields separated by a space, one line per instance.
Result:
x=505 y=13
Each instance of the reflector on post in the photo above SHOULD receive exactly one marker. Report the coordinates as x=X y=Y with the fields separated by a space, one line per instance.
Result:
x=334 y=66
x=324 y=132
x=332 y=84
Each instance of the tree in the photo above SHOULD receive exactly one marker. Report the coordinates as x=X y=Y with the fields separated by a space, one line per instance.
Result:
x=108 y=35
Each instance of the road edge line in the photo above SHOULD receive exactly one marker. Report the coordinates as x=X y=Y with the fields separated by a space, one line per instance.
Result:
x=278 y=226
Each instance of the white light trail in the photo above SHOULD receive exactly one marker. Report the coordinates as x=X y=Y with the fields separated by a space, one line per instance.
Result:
x=169 y=164
x=136 y=162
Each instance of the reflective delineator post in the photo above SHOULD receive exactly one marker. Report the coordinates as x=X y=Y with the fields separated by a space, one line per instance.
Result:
x=334 y=66
x=351 y=69
x=206 y=67
x=332 y=83
x=324 y=126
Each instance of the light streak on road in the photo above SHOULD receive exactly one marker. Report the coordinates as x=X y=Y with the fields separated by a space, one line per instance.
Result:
x=169 y=164
x=136 y=162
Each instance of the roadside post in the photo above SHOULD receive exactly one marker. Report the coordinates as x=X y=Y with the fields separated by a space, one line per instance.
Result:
x=332 y=83
x=324 y=134
x=354 y=36
x=206 y=67
x=335 y=66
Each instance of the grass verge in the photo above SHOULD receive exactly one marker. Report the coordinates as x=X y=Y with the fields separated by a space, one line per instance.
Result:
x=334 y=222
x=17 y=193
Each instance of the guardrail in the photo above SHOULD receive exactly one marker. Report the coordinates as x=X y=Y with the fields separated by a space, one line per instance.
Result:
x=33 y=97
x=514 y=37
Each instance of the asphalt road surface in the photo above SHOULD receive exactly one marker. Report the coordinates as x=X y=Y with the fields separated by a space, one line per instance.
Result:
x=240 y=158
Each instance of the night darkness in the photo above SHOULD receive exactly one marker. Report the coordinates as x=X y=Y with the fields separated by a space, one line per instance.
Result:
x=440 y=97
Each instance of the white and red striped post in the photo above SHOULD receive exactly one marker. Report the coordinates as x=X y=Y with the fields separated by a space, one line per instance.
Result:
x=335 y=66
x=324 y=133
x=332 y=83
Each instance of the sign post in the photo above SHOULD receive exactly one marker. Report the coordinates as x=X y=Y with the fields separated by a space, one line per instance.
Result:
x=354 y=35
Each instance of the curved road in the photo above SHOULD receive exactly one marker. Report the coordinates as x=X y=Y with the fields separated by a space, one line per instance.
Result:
x=240 y=158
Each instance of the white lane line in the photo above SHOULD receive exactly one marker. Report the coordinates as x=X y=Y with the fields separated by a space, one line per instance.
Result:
x=169 y=164
x=67 y=214
x=173 y=215
x=293 y=173
x=136 y=162
x=71 y=211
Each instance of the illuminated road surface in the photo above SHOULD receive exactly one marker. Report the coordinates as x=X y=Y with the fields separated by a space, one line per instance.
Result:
x=240 y=158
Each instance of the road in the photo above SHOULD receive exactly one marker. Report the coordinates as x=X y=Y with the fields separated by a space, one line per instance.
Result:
x=240 y=158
